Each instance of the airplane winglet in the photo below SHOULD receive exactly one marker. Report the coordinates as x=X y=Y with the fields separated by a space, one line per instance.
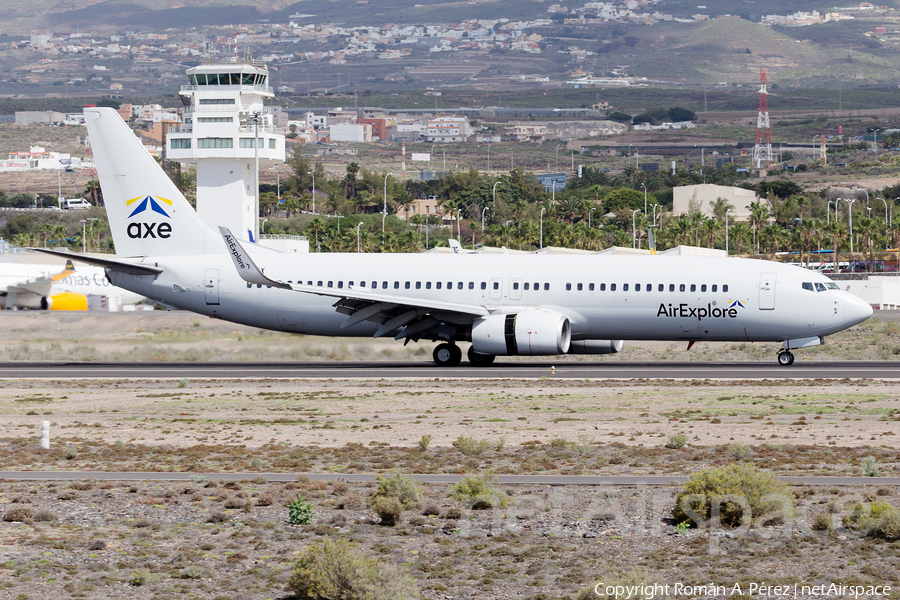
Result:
x=69 y=270
x=244 y=265
x=455 y=246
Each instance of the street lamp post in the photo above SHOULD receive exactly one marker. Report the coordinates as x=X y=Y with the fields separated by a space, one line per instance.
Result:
x=867 y=198
x=489 y=158
x=850 y=202
x=828 y=213
x=875 y=142
x=655 y=207
x=557 y=157
x=357 y=236
x=644 y=185
x=262 y=227
x=589 y=216
x=634 y=227
x=814 y=146
x=384 y=210
x=256 y=117
x=542 y=227
x=726 y=231
x=483 y=210
x=494 y=191
x=314 y=190
x=553 y=187
x=458 y=226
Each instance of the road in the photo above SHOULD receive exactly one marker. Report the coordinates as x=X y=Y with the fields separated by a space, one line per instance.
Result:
x=882 y=370
x=425 y=478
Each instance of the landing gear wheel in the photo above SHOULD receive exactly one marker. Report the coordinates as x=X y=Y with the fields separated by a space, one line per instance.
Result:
x=477 y=359
x=785 y=358
x=447 y=355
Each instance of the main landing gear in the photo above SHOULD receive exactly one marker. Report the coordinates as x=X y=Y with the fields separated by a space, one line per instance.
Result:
x=785 y=358
x=447 y=355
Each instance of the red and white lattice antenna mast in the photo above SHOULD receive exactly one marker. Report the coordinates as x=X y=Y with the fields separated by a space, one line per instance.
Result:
x=762 y=151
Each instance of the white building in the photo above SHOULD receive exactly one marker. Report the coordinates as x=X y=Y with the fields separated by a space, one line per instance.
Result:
x=687 y=198
x=350 y=133
x=224 y=114
x=447 y=129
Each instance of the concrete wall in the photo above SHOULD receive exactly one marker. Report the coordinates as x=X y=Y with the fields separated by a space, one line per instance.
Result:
x=706 y=195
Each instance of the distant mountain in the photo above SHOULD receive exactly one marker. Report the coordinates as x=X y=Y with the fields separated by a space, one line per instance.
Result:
x=133 y=15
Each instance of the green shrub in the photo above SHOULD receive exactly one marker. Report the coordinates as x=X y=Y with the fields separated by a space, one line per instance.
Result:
x=337 y=569
x=869 y=467
x=676 y=441
x=20 y=514
x=471 y=446
x=424 y=443
x=558 y=443
x=822 y=522
x=875 y=519
x=388 y=509
x=635 y=579
x=141 y=577
x=731 y=487
x=405 y=489
x=300 y=511
x=479 y=492
x=738 y=451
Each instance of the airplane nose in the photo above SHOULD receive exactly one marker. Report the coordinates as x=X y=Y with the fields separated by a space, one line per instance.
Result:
x=856 y=310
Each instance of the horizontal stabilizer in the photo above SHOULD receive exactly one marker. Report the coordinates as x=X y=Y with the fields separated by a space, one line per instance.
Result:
x=106 y=263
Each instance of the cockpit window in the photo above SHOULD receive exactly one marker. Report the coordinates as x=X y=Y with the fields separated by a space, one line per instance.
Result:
x=820 y=287
x=832 y=286
x=808 y=286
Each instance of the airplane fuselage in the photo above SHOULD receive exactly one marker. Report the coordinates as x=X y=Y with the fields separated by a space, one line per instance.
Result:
x=604 y=297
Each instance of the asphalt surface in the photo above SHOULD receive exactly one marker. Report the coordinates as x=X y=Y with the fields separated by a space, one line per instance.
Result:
x=425 y=478
x=411 y=370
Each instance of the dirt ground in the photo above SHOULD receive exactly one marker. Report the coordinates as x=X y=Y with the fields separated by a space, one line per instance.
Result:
x=207 y=540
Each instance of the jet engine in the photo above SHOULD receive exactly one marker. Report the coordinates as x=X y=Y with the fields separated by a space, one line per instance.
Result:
x=531 y=332
x=68 y=301
x=595 y=346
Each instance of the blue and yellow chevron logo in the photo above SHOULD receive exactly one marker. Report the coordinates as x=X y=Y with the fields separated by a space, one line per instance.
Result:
x=737 y=303
x=149 y=203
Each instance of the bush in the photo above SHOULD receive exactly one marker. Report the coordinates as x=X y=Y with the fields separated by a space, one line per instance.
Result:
x=676 y=441
x=869 y=467
x=337 y=569
x=388 y=509
x=471 y=446
x=738 y=451
x=636 y=579
x=45 y=516
x=405 y=489
x=424 y=443
x=479 y=492
x=141 y=577
x=731 y=487
x=875 y=519
x=822 y=522
x=300 y=511
x=20 y=514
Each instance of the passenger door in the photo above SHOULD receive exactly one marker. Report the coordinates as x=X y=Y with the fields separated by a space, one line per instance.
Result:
x=211 y=286
x=767 y=291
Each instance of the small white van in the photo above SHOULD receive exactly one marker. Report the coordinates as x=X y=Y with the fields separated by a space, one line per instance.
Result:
x=76 y=203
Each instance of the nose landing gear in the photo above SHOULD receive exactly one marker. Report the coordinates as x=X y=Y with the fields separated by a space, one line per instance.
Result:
x=785 y=358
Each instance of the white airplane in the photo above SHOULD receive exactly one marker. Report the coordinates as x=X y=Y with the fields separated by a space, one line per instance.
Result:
x=502 y=304
x=56 y=288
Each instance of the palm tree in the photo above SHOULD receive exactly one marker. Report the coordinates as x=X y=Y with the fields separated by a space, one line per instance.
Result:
x=759 y=214
x=740 y=232
x=92 y=189
x=711 y=229
x=837 y=233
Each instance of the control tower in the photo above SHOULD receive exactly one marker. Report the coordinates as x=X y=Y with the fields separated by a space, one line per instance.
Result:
x=223 y=115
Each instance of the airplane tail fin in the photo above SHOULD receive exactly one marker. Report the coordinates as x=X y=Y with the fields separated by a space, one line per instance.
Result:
x=651 y=240
x=148 y=215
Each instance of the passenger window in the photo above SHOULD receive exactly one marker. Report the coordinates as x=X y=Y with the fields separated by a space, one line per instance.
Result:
x=384 y=285
x=649 y=287
x=671 y=287
x=259 y=286
x=428 y=285
x=320 y=284
x=681 y=288
x=820 y=287
x=637 y=287
x=703 y=288
x=459 y=285
x=661 y=288
x=612 y=287
x=624 y=287
x=330 y=284
x=249 y=285
x=437 y=285
x=340 y=284
x=471 y=285
x=591 y=287
x=396 y=285
x=496 y=285
x=484 y=285
x=602 y=287
x=309 y=283
x=546 y=287
x=693 y=287
x=516 y=285
x=406 y=285
x=580 y=287
x=808 y=286
x=568 y=287
x=526 y=287
x=714 y=287
x=725 y=288
x=418 y=285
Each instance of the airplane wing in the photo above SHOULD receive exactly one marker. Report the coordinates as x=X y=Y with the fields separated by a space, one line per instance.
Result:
x=38 y=287
x=107 y=263
x=361 y=304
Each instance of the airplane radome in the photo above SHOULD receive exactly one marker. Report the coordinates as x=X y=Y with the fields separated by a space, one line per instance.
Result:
x=502 y=304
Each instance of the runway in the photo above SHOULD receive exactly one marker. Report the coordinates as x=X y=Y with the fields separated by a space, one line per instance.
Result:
x=554 y=480
x=882 y=370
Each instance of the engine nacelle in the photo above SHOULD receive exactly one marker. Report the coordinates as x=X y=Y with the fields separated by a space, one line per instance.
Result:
x=531 y=332
x=596 y=346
